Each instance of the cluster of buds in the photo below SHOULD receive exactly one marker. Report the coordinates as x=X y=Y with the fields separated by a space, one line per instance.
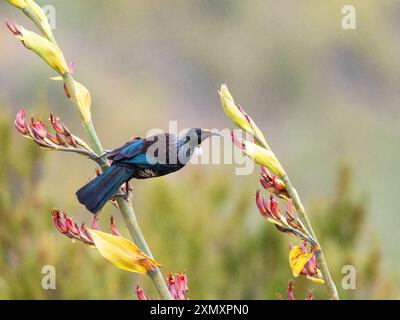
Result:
x=273 y=184
x=60 y=140
x=121 y=252
x=177 y=286
x=303 y=262
x=66 y=226
x=290 y=292
x=285 y=222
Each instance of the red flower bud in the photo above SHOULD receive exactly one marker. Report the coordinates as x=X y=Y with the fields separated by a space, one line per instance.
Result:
x=140 y=294
x=39 y=129
x=58 y=126
x=114 y=230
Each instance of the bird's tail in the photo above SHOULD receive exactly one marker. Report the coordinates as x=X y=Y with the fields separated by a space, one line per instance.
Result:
x=97 y=192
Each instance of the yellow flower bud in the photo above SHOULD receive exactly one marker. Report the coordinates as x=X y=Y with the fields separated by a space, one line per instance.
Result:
x=232 y=111
x=239 y=116
x=35 y=12
x=42 y=19
x=18 y=3
x=260 y=155
x=45 y=49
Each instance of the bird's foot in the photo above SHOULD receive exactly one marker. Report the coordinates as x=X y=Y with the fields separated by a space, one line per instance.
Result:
x=125 y=191
x=98 y=157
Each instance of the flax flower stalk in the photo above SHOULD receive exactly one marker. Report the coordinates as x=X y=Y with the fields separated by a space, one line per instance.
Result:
x=123 y=205
x=246 y=123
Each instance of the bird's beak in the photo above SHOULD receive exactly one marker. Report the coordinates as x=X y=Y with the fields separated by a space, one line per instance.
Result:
x=211 y=133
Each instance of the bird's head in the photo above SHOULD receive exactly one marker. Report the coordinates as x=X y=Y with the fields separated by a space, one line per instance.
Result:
x=196 y=135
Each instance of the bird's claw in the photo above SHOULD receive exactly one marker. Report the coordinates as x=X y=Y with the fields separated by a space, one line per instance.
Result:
x=98 y=157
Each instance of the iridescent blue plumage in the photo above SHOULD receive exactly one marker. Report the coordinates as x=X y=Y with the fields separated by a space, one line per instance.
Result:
x=140 y=158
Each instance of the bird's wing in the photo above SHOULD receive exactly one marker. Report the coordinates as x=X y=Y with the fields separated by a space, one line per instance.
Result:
x=153 y=150
x=129 y=150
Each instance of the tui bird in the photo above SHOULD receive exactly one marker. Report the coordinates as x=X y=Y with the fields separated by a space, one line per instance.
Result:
x=141 y=158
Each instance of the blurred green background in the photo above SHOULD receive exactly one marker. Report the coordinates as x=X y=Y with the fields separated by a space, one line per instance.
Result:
x=326 y=98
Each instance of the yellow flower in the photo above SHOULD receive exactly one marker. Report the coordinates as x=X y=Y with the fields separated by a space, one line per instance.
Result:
x=239 y=116
x=45 y=49
x=303 y=262
x=122 y=253
x=260 y=155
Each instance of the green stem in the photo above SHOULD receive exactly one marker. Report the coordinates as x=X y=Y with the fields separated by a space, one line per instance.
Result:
x=140 y=241
x=126 y=209
x=330 y=285
x=123 y=205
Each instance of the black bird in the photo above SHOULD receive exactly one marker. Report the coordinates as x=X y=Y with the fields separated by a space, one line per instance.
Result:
x=141 y=158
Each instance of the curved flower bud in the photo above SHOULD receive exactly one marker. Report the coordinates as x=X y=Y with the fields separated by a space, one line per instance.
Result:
x=44 y=48
x=260 y=155
x=39 y=130
x=239 y=116
x=67 y=227
x=273 y=184
x=286 y=222
x=35 y=12
x=20 y=122
x=20 y=4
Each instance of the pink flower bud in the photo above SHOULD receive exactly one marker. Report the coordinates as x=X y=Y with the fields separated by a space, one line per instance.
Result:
x=140 y=294
x=39 y=130
x=13 y=27
x=20 y=122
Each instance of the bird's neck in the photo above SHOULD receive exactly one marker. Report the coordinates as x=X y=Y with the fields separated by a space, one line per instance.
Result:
x=185 y=150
